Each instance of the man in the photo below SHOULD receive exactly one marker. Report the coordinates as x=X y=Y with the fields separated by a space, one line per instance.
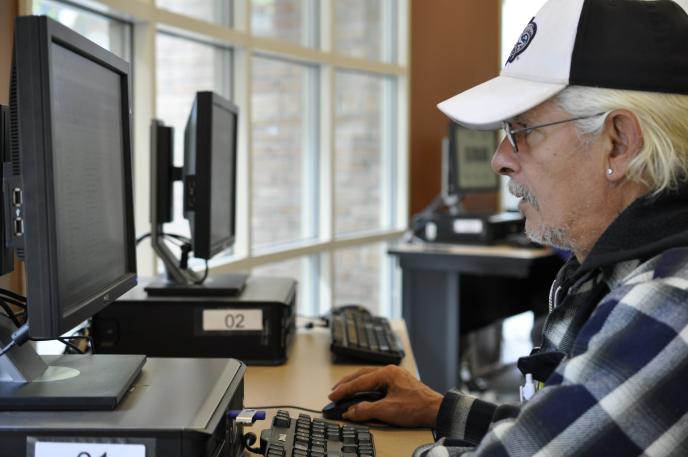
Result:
x=594 y=104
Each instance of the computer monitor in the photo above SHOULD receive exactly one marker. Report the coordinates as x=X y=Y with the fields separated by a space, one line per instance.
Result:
x=68 y=198
x=466 y=163
x=210 y=144
x=209 y=175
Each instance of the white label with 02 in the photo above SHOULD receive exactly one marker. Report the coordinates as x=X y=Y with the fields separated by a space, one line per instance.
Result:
x=232 y=320
x=52 y=449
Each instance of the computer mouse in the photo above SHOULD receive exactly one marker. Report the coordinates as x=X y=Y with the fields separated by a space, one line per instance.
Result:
x=335 y=409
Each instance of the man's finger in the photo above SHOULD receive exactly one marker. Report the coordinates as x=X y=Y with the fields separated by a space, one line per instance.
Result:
x=364 y=411
x=353 y=375
x=365 y=382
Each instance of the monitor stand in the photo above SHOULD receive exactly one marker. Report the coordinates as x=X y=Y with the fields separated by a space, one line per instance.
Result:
x=178 y=282
x=216 y=285
x=28 y=382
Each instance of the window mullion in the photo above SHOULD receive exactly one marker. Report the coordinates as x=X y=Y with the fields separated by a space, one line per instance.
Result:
x=144 y=94
x=242 y=91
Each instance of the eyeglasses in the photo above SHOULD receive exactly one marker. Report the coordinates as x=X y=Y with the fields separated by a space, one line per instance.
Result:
x=511 y=132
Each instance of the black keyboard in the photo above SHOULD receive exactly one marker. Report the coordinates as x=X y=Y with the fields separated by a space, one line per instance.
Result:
x=357 y=334
x=306 y=437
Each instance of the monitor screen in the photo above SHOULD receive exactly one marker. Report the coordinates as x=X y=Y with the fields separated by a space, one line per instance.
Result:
x=223 y=145
x=467 y=163
x=210 y=144
x=88 y=176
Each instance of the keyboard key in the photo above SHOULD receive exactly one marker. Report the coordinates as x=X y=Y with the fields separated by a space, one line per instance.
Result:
x=315 y=438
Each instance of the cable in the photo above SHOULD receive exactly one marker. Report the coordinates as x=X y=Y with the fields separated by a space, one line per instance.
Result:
x=10 y=314
x=285 y=407
x=6 y=349
x=19 y=337
x=18 y=303
x=248 y=439
x=70 y=345
x=142 y=237
x=65 y=340
x=165 y=235
x=312 y=318
x=11 y=294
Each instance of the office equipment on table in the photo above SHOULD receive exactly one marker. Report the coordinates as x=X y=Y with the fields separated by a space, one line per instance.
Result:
x=308 y=437
x=209 y=177
x=482 y=229
x=358 y=335
x=257 y=327
x=180 y=313
x=176 y=408
x=307 y=379
x=69 y=212
x=67 y=195
x=335 y=409
x=466 y=169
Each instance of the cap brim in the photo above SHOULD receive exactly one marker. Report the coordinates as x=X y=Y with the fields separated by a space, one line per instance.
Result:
x=485 y=106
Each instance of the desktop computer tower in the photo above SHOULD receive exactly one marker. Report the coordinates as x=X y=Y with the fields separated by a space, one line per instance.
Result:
x=176 y=408
x=256 y=327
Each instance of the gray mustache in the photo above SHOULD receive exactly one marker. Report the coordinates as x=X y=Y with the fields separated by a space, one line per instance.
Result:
x=520 y=191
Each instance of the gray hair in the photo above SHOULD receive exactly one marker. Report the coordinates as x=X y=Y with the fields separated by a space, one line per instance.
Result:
x=662 y=163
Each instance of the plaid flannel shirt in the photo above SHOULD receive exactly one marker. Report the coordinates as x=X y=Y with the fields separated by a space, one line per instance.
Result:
x=621 y=387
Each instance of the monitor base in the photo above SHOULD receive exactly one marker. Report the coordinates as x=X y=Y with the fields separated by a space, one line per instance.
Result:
x=74 y=383
x=216 y=285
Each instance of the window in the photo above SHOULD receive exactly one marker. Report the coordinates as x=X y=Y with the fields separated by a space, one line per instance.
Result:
x=322 y=90
x=283 y=154
x=219 y=11
x=364 y=29
x=358 y=276
x=110 y=33
x=290 y=20
x=363 y=169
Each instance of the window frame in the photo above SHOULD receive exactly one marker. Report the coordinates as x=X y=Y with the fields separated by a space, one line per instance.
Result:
x=147 y=18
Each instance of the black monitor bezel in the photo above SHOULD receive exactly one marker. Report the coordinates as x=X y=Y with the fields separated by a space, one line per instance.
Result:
x=6 y=253
x=33 y=39
x=198 y=176
x=453 y=186
x=162 y=172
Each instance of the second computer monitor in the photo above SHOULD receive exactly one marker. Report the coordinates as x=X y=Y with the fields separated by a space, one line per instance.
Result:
x=466 y=166
x=210 y=143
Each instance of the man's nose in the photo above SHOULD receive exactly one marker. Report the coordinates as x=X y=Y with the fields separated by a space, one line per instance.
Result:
x=504 y=159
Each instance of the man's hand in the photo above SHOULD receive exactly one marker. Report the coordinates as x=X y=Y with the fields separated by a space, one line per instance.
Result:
x=408 y=403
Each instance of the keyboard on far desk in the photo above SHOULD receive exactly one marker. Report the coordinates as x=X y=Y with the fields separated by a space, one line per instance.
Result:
x=358 y=335
x=306 y=437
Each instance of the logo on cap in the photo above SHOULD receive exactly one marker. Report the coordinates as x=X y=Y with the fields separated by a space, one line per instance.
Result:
x=524 y=41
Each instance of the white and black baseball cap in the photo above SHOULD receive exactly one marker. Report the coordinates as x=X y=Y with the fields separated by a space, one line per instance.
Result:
x=618 y=44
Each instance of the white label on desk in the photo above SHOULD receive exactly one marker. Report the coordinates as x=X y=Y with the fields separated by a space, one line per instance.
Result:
x=468 y=226
x=232 y=320
x=54 y=449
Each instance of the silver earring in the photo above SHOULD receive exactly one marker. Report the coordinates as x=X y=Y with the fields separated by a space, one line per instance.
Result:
x=610 y=172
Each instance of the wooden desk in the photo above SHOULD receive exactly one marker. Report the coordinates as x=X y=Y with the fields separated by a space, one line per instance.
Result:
x=305 y=380
x=448 y=288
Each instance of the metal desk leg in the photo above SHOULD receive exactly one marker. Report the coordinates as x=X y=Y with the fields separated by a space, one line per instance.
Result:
x=433 y=324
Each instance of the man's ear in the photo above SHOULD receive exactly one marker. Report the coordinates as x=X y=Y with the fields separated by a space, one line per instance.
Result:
x=626 y=139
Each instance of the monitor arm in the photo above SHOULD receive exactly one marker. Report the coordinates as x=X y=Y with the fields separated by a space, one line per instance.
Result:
x=175 y=273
